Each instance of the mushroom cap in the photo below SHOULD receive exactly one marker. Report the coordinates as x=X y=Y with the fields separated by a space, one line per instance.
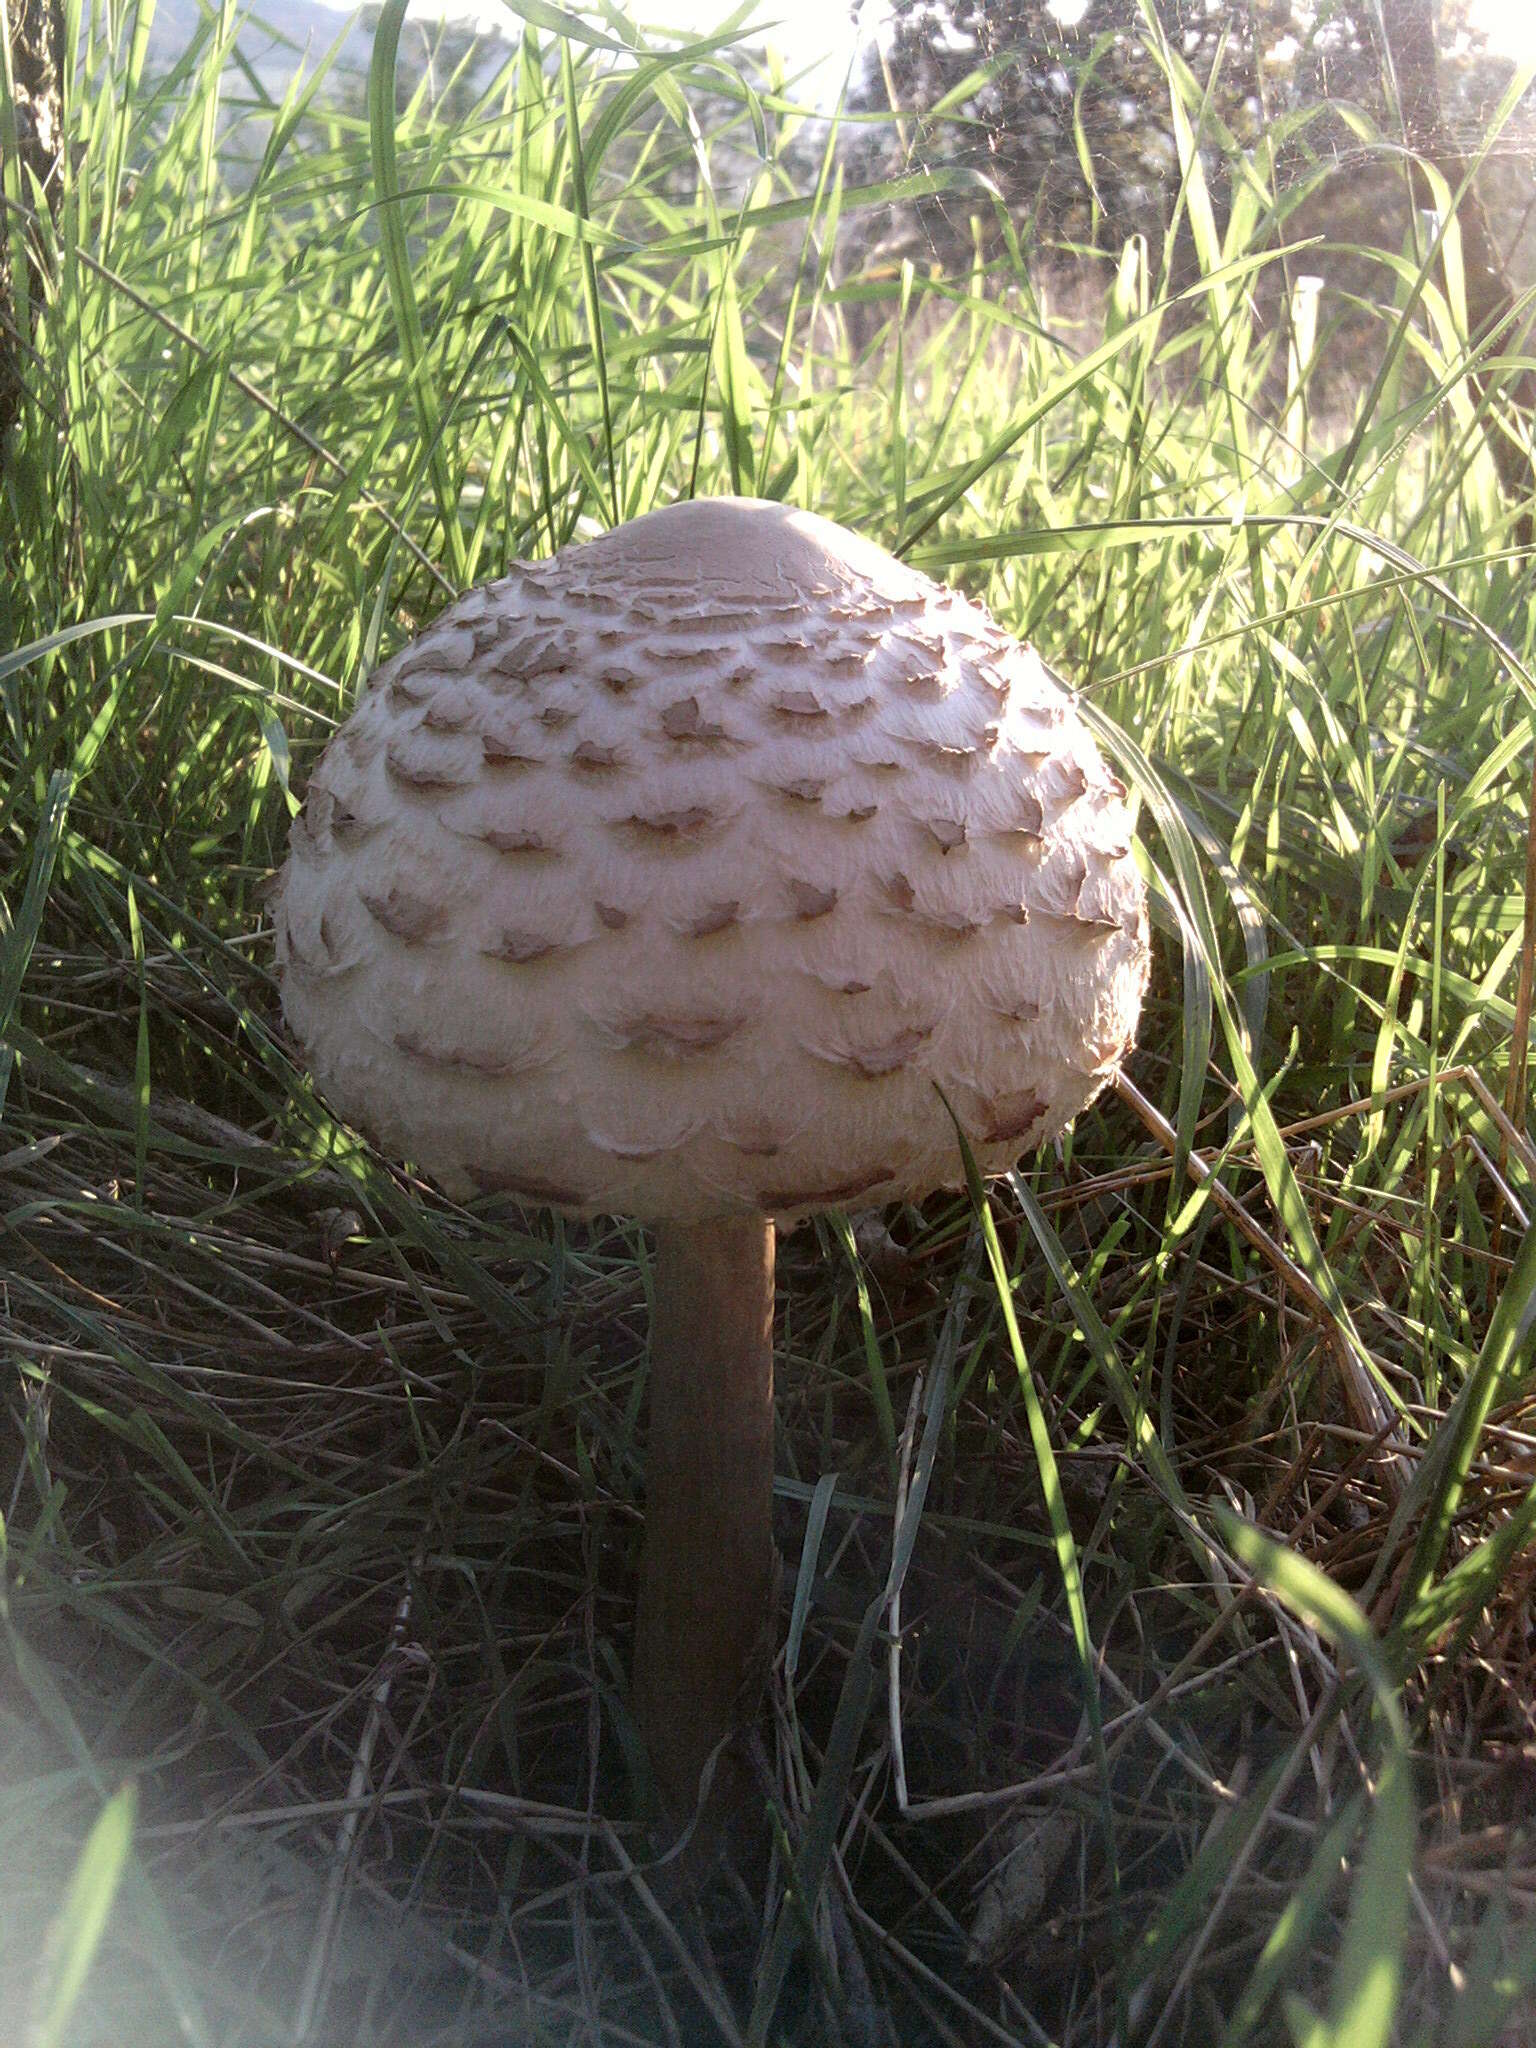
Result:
x=675 y=875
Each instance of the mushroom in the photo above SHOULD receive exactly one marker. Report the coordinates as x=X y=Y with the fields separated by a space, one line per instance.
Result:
x=689 y=875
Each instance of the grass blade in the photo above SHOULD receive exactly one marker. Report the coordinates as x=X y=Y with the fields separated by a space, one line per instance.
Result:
x=81 y=1921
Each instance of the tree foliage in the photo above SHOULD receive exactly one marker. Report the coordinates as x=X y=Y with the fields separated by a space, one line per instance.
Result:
x=1067 y=111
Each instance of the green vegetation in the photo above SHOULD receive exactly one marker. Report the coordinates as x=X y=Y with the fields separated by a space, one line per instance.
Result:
x=1204 y=1470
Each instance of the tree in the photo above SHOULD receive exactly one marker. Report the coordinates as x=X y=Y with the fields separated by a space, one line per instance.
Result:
x=1037 y=93
x=1032 y=90
x=1408 y=38
x=31 y=149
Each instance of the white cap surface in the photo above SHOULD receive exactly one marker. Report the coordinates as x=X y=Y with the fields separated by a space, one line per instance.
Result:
x=667 y=877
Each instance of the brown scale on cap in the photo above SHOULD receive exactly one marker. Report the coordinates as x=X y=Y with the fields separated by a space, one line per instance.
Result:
x=485 y=1066
x=414 y=770
x=950 y=924
x=678 y=827
x=554 y=660
x=588 y=755
x=800 y=704
x=719 y=917
x=874 y=1061
x=1029 y=822
x=811 y=901
x=958 y=759
x=519 y=948
x=802 y=789
x=514 y=659
x=449 y=712
x=501 y=749
x=676 y=1037
x=413 y=920
x=515 y=839
x=684 y=657
x=301 y=961
x=1098 y=905
x=1009 y=1119
x=684 y=721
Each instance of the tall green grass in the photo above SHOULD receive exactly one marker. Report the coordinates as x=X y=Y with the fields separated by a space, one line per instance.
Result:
x=1211 y=1515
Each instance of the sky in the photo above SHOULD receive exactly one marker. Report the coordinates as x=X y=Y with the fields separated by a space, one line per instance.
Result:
x=822 y=32
x=1510 y=25
x=818 y=33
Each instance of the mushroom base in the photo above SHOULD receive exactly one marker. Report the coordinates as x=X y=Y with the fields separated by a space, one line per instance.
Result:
x=704 y=1633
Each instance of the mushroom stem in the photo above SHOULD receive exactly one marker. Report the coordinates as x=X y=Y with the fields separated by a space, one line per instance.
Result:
x=708 y=1577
